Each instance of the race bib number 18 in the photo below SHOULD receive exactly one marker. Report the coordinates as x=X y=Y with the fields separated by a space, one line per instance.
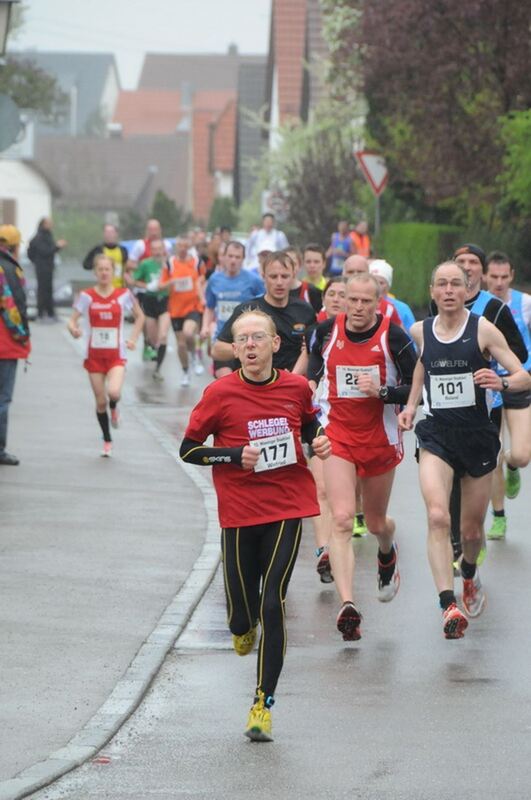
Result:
x=275 y=451
x=452 y=391
x=104 y=338
x=347 y=379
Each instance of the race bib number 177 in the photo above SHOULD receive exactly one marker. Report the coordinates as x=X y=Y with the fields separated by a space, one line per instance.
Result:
x=275 y=451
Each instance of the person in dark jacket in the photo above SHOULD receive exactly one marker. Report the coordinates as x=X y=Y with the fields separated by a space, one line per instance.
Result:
x=14 y=328
x=41 y=251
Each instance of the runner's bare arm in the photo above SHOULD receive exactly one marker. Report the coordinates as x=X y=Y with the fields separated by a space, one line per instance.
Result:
x=222 y=351
x=492 y=340
x=407 y=416
x=72 y=324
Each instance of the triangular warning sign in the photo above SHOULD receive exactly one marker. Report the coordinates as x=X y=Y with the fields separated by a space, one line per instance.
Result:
x=373 y=167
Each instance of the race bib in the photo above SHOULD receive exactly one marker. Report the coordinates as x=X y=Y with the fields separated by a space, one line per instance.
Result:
x=275 y=451
x=347 y=379
x=104 y=338
x=183 y=284
x=225 y=308
x=452 y=391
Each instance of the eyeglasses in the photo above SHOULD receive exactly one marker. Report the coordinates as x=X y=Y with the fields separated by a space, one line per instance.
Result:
x=257 y=337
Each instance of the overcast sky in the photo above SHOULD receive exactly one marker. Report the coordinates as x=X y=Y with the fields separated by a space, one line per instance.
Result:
x=129 y=28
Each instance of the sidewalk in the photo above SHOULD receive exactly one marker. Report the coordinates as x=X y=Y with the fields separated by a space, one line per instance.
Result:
x=92 y=550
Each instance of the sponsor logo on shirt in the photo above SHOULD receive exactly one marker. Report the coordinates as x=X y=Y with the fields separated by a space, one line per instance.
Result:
x=258 y=428
x=340 y=344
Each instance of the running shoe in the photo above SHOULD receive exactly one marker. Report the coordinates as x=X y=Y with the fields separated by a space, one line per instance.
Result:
x=323 y=566
x=158 y=377
x=259 y=721
x=482 y=555
x=244 y=644
x=107 y=450
x=185 y=380
x=498 y=528
x=148 y=353
x=512 y=483
x=473 y=596
x=115 y=418
x=455 y=623
x=198 y=367
x=359 y=527
x=348 y=622
x=387 y=590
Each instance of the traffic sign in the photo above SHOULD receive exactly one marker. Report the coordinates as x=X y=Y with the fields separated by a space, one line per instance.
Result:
x=374 y=170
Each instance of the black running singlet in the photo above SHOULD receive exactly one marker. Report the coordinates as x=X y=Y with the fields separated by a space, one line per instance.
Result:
x=450 y=395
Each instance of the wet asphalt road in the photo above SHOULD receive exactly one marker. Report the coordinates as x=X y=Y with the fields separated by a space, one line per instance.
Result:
x=401 y=714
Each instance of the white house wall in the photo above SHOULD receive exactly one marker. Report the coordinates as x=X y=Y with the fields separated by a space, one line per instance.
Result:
x=32 y=195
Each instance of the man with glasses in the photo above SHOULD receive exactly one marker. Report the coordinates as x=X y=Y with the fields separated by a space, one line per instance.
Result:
x=258 y=416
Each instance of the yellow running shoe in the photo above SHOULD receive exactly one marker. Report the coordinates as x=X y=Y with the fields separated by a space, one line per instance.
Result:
x=359 y=527
x=244 y=644
x=259 y=721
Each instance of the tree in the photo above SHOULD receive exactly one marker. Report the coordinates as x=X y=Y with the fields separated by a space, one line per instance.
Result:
x=516 y=180
x=32 y=88
x=437 y=76
x=172 y=217
x=222 y=214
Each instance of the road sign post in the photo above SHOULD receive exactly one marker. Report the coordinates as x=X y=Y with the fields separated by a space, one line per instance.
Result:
x=372 y=165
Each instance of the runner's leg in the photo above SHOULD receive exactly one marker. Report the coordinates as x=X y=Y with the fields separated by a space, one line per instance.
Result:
x=436 y=477
x=340 y=486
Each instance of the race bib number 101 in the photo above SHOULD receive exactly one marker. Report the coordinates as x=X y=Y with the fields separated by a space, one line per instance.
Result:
x=347 y=379
x=452 y=391
x=275 y=451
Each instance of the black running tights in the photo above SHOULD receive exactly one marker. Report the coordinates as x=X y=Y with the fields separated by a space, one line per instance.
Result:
x=257 y=566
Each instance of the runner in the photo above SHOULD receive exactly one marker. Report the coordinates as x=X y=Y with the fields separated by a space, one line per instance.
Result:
x=457 y=437
x=314 y=262
x=384 y=274
x=303 y=290
x=103 y=309
x=291 y=317
x=334 y=300
x=154 y=302
x=516 y=411
x=226 y=290
x=257 y=416
x=366 y=363
x=185 y=305
x=472 y=259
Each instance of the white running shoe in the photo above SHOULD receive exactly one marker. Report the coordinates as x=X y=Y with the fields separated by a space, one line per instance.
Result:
x=386 y=591
x=107 y=450
x=473 y=596
x=198 y=368
x=185 y=380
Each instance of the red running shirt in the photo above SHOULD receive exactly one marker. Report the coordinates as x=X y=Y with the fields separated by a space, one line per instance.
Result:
x=346 y=414
x=237 y=413
x=103 y=322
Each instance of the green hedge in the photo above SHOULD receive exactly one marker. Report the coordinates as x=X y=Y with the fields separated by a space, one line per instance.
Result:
x=413 y=249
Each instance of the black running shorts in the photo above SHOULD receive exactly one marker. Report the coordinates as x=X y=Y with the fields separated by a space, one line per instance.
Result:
x=516 y=399
x=469 y=451
x=153 y=306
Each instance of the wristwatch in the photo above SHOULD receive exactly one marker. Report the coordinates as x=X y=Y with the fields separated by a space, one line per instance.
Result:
x=505 y=384
x=383 y=391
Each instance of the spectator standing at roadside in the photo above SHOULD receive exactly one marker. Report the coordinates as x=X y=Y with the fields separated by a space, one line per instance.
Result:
x=14 y=328
x=361 y=239
x=341 y=246
x=110 y=247
x=41 y=252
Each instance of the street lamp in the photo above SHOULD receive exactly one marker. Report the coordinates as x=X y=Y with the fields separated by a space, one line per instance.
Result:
x=5 y=16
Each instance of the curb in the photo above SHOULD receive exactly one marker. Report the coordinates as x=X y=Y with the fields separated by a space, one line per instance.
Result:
x=133 y=685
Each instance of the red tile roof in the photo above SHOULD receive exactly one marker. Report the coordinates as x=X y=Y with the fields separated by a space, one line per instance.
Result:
x=148 y=112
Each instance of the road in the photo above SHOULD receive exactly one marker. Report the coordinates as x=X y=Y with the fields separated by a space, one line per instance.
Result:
x=401 y=714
